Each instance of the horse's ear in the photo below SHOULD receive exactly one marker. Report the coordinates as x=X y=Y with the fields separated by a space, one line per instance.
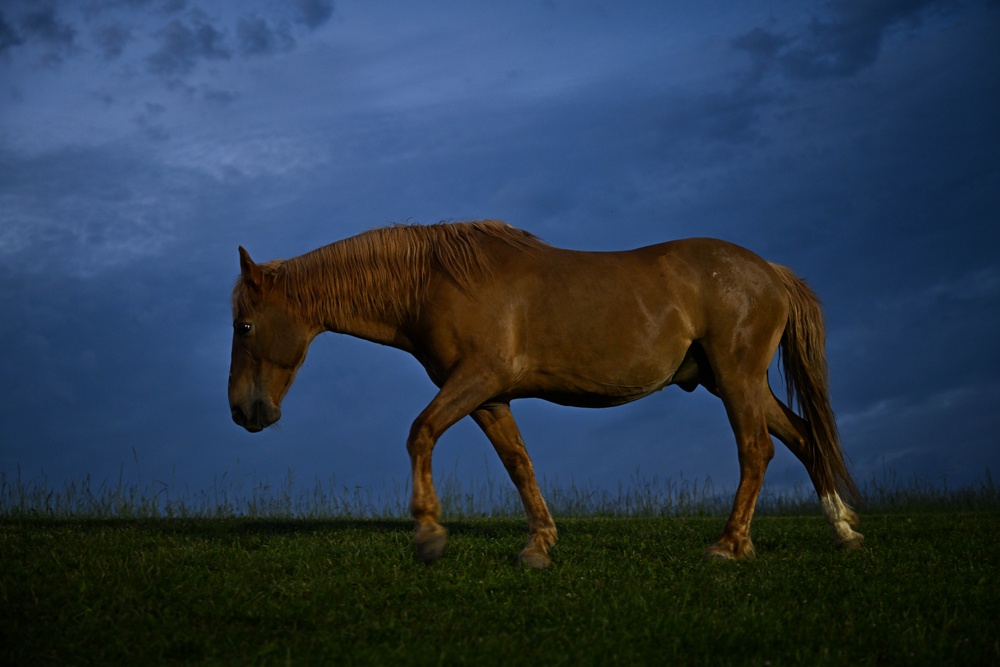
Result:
x=251 y=272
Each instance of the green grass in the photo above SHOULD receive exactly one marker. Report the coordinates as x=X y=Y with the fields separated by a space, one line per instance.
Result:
x=137 y=587
x=622 y=591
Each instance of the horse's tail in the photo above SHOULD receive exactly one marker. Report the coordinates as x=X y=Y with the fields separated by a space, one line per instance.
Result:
x=803 y=359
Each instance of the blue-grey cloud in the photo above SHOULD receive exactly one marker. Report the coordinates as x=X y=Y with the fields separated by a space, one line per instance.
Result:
x=840 y=44
x=314 y=13
x=183 y=45
x=149 y=121
x=9 y=37
x=39 y=23
x=42 y=22
x=258 y=37
x=70 y=212
x=220 y=97
x=112 y=38
x=183 y=35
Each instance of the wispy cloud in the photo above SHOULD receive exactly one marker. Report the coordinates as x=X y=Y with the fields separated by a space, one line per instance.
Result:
x=841 y=43
x=40 y=24
x=97 y=222
x=247 y=157
x=112 y=38
x=9 y=37
x=172 y=39
x=257 y=36
x=314 y=13
x=184 y=44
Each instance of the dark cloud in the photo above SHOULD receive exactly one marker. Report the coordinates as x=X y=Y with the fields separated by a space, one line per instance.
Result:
x=220 y=97
x=150 y=122
x=9 y=37
x=183 y=37
x=111 y=39
x=41 y=25
x=169 y=6
x=183 y=46
x=257 y=37
x=843 y=43
x=763 y=47
x=42 y=22
x=314 y=13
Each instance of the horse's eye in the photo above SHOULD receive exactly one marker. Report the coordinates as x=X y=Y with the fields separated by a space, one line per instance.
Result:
x=243 y=328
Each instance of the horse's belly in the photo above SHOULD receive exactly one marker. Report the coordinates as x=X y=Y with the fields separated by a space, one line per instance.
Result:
x=586 y=392
x=590 y=400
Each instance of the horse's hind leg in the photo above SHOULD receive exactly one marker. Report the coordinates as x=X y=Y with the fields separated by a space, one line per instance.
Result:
x=791 y=429
x=498 y=424
x=742 y=398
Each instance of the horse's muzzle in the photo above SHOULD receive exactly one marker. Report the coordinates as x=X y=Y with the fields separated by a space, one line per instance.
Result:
x=260 y=416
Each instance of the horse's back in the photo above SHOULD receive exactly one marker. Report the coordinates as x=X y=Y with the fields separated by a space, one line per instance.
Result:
x=688 y=285
x=593 y=328
x=674 y=272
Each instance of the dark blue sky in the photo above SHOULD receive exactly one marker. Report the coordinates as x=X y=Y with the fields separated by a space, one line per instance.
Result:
x=140 y=142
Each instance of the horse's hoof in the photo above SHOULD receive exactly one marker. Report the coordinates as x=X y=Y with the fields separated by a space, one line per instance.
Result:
x=430 y=547
x=855 y=543
x=534 y=560
x=718 y=555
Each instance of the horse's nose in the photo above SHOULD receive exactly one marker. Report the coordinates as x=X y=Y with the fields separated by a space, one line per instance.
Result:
x=239 y=416
x=261 y=416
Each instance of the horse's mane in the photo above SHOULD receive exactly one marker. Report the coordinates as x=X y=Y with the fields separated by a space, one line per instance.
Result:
x=385 y=270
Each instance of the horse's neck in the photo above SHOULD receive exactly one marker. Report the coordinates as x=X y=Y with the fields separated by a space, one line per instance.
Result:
x=378 y=329
x=339 y=302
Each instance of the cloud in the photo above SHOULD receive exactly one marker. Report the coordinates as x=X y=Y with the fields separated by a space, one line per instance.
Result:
x=9 y=37
x=185 y=43
x=71 y=211
x=170 y=39
x=41 y=25
x=840 y=45
x=251 y=156
x=111 y=39
x=981 y=284
x=314 y=13
x=150 y=121
x=220 y=97
x=257 y=37
x=183 y=46
x=882 y=433
x=763 y=47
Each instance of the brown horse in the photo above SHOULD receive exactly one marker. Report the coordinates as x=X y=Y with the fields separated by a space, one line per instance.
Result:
x=495 y=314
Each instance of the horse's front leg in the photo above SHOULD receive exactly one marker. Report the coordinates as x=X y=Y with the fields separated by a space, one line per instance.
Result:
x=430 y=537
x=498 y=424
x=462 y=393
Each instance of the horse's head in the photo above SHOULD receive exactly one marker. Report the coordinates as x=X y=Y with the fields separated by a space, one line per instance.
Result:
x=269 y=345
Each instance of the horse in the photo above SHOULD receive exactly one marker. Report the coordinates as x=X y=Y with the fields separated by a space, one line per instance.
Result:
x=494 y=314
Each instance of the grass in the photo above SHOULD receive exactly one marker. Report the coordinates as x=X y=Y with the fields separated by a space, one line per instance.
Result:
x=136 y=586
x=641 y=497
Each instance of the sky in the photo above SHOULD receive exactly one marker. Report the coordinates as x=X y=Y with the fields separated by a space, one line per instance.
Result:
x=856 y=141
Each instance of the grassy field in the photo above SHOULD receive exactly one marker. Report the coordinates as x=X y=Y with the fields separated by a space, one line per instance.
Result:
x=623 y=591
